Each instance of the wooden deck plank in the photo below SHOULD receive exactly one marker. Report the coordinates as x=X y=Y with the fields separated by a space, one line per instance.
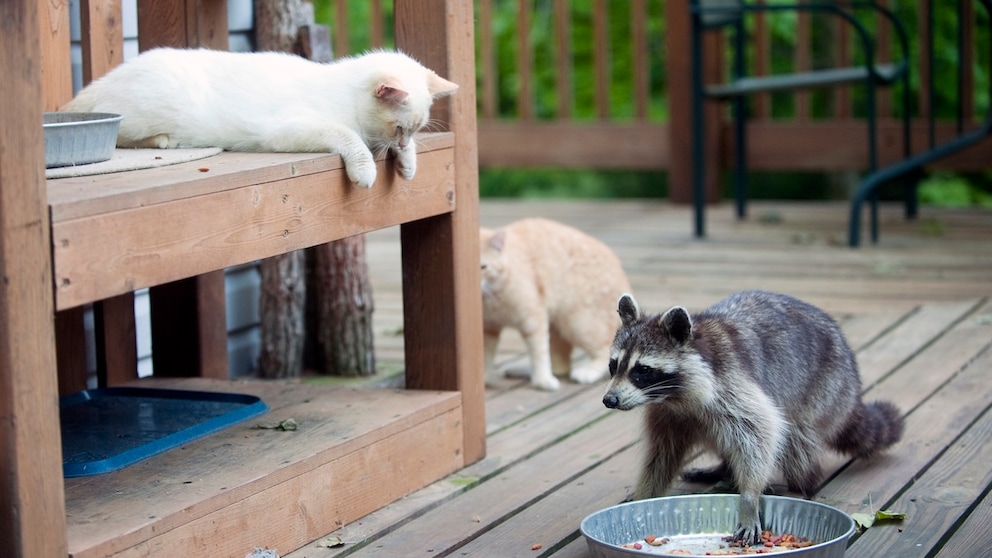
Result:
x=916 y=308
x=909 y=338
x=937 y=500
x=464 y=518
x=555 y=518
x=972 y=537
x=343 y=444
x=956 y=404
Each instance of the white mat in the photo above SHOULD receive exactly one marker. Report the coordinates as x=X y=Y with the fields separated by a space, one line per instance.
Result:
x=134 y=159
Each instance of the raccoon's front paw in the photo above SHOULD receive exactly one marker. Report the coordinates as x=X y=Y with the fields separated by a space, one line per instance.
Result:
x=406 y=162
x=748 y=534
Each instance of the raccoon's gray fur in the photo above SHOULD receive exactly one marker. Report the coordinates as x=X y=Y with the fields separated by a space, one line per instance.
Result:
x=764 y=380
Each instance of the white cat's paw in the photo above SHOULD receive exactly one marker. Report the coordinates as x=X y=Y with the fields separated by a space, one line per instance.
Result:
x=586 y=374
x=406 y=163
x=362 y=173
x=546 y=383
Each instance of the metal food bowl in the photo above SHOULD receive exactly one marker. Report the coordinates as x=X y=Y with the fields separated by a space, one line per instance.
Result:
x=697 y=522
x=78 y=138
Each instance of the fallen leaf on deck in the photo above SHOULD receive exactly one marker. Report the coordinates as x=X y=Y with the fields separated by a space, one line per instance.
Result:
x=333 y=541
x=866 y=520
x=287 y=425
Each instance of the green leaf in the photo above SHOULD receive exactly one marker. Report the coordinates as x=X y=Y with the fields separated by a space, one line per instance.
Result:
x=864 y=520
x=889 y=515
x=332 y=541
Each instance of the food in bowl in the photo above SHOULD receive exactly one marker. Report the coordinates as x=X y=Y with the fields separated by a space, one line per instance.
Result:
x=715 y=545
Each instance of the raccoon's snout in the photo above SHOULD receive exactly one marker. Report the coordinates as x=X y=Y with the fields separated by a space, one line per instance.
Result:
x=611 y=401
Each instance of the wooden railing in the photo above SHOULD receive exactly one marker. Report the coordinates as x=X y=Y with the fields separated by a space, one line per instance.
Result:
x=605 y=84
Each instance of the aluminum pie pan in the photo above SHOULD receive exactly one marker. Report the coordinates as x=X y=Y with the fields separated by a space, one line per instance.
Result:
x=79 y=138
x=711 y=516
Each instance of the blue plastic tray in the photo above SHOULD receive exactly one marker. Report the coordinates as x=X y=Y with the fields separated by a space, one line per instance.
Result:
x=108 y=429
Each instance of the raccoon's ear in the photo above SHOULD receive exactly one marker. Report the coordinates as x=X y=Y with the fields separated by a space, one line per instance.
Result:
x=678 y=324
x=627 y=308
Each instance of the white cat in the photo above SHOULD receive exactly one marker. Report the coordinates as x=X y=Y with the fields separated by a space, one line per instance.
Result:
x=267 y=101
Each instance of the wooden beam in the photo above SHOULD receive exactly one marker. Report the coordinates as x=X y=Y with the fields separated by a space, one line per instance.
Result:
x=442 y=303
x=102 y=37
x=812 y=145
x=167 y=241
x=56 y=71
x=32 y=513
x=595 y=144
x=116 y=340
x=191 y=305
x=182 y=24
x=678 y=46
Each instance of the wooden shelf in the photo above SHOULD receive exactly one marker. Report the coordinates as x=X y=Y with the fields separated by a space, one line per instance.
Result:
x=116 y=233
x=68 y=242
x=245 y=487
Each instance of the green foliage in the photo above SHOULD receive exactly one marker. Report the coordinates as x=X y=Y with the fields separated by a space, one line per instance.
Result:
x=950 y=190
x=544 y=55
x=571 y=183
x=359 y=22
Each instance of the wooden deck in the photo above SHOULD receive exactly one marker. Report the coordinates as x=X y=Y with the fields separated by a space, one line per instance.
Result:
x=916 y=307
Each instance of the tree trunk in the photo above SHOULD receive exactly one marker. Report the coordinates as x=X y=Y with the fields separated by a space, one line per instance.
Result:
x=340 y=293
x=283 y=289
x=342 y=297
x=281 y=308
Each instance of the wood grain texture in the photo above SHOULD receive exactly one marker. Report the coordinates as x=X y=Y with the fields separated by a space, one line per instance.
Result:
x=279 y=486
x=56 y=62
x=108 y=254
x=32 y=516
x=442 y=300
x=102 y=37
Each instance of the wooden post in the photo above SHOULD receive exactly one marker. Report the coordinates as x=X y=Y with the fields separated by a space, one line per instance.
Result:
x=441 y=294
x=32 y=499
x=189 y=326
x=102 y=37
x=678 y=46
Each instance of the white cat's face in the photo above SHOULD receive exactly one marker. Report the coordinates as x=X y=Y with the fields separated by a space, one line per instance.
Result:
x=403 y=96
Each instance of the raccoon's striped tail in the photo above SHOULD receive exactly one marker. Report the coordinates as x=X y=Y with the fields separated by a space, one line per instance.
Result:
x=871 y=428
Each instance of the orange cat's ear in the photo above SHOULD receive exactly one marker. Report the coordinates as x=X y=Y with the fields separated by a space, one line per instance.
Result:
x=437 y=86
x=391 y=92
x=496 y=242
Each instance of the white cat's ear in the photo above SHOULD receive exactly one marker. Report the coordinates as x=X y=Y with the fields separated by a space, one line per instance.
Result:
x=437 y=86
x=391 y=92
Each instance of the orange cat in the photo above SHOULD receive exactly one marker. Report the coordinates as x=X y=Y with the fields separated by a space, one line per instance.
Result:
x=559 y=288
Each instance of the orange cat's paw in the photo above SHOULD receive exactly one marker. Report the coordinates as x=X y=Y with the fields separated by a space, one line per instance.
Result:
x=549 y=383
x=588 y=374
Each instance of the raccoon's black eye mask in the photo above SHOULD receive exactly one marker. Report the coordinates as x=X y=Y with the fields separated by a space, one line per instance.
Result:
x=613 y=367
x=643 y=376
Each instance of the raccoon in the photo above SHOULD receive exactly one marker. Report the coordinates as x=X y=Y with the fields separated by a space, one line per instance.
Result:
x=764 y=380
